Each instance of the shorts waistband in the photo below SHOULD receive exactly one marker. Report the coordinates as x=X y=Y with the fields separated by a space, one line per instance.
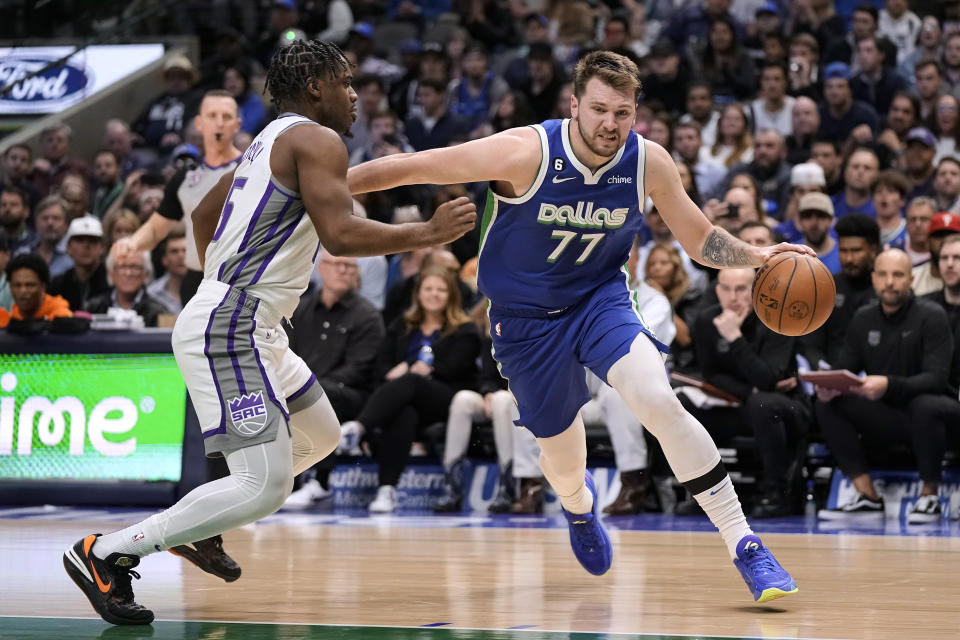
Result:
x=528 y=313
x=270 y=316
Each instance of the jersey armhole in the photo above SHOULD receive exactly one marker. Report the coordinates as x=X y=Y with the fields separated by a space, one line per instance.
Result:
x=541 y=173
x=641 y=171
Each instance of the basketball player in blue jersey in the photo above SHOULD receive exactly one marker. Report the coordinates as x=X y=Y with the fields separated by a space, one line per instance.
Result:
x=564 y=205
x=258 y=233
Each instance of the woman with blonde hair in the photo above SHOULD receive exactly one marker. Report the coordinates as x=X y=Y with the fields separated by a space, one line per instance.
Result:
x=734 y=143
x=664 y=271
x=428 y=354
x=119 y=223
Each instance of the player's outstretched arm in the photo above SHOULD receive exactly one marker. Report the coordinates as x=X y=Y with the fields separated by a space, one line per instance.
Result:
x=704 y=242
x=510 y=156
x=321 y=172
x=207 y=214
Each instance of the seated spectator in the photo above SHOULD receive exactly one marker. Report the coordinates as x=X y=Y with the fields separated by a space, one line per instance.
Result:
x=859 y=173
x=661 y=236
x=804 y=125
x=863 y=23
x=75 y=192
x=119 y=223
x=740 y=355
x=951 y=60
x=905 y=346
x=688 y=148
x=724 y=63
x=773 y=108
x=118 y=138
x=400 y=295
x=904 y=116
x=473 y=96
x=665 y=273
x=889 y=191
x=106 y=173
x=338 y=334
x=166 y=288
x=545 y=81
x=691 y=24
x=88 y=277
x=826 y=153
x=949 y=297
x=926 y=277
x=814 y=220
x=877 y=82
x=806 y=74
x=739 y=205
x=734 y=143
x=429 y=354
x=946 y=185
x=770 y=169
x=253 y=114
x=6 y=298
x=700 y=110
x=918 y=158
x=840 y=113
x=920 y=212
x=17 y=163
x=129 y=275
x=371 y=92
x=514 y=110
x=384 y=131
x=946 y=126
x=14 y=214
x=688 y=183
x=50 y=243
x=927 y=46
x=858 y=243
x=804 y=178
x=901 y=26
x=437 y=127
x=55 y=160
x=756 y=234
x=29 y=276
x=162 y=120
x=928 y=80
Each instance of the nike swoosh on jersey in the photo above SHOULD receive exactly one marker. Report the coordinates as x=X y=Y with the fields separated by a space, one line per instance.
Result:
x=557 y=179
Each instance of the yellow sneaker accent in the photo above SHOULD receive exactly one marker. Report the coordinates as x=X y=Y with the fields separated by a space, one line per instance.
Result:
x=773 y=594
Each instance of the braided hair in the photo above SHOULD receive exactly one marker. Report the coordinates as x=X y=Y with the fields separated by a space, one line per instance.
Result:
x=293 y=65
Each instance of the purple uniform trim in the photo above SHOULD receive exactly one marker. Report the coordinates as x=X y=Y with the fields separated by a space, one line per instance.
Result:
x=230 y=343
x=263 y=372
x=302 y=390
x=246 y=258
x=228 y=207
x=256 y=216
x=276 y=249
x=213 y=371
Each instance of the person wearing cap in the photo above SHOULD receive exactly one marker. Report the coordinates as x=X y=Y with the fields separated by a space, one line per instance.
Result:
x=162 y=120
x=29 y=277
x=875 y=83
x=668 y=78
x=51 y=229
x=926 y=277
x=129 y=274
x=814 y=221
x=919 y=158
x=88 y=277
x=106 y=173
x=859 y=172
x=863 y=23
x=840 y=114
x=946 y=185
x=805 y=178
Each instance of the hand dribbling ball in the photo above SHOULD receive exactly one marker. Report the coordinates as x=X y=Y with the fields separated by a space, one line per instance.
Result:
x=793 y=293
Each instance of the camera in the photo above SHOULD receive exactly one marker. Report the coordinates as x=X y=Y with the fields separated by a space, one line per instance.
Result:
x=794 y=67
x=733 y=211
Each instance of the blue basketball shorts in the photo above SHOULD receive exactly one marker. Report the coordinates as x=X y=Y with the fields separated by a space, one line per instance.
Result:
x=543 y=358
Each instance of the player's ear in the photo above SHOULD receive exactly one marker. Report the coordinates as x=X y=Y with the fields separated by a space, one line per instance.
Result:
x=574 y=107
x=314 y=87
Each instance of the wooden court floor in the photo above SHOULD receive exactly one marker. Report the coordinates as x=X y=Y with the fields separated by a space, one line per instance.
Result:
x=435 y=583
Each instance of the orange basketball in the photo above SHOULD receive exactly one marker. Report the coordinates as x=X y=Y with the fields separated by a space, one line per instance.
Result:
x=793 y=294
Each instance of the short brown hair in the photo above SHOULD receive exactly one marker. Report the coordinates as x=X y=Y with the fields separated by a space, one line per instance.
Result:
x=892 y=180
x=618 y=71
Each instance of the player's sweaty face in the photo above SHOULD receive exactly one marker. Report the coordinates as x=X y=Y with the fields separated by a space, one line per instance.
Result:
x=604 y=117
x=340 y=101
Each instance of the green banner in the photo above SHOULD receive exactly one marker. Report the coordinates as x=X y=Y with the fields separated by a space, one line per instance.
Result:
x=91 y=417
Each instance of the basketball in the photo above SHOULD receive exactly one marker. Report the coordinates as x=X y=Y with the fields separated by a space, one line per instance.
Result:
x=793 y=294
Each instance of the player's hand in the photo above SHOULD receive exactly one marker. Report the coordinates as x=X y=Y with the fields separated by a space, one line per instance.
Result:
x=784 y=247
x=825 y=394
x=452 y=219
x=873 y=387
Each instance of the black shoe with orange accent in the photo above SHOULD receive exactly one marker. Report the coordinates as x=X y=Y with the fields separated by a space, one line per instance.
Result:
x=106 y=583
x=209 y=555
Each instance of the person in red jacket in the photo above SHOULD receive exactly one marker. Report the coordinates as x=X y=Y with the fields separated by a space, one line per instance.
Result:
x=29 y=277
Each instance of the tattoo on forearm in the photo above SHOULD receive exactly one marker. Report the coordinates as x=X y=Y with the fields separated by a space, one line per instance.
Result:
x=723 y=250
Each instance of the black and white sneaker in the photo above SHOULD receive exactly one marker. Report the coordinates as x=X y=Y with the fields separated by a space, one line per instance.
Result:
x=106 y=583
x=860 y=507
x=925 y=510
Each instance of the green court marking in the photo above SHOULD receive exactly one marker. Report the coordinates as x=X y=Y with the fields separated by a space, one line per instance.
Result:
x=76 y=628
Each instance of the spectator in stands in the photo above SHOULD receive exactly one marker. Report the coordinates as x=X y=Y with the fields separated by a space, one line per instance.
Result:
x=805 y=74
x=946 y=124
x=900 y=25
x=118 y=138
x=253 y=113
x=545 y=82
x=949 y=296
x=905 y=346
x=724 y=63
x=166 y=288
x=428 y=355
x=804 y=124
x=49 y=244
x=756 y=234
x=700 y=110
x=161 y=122
x=284 y=17
x=769 y=168
x=920 y=212
x=863 y=25
x=946 y=185
x=805 y=178
x=928 y=78
x=120 y=223
x=6 y=298
x=55 y=160
x=859 y=172
x=475 y=94
x=690 y=26
x=106 y=174
x=840 y=113
x=129 y=274
x=918 y=158
x=951 y=62
x=661 y=236
x=17 y=165
x=383 y=132
x=14 y=214
x=902 y=118
x=877 y=82
x=338 y=334
x=514 y=110
x=926 y=277
x=814 y=220
x=75 y=192
x=826 y=153
x=889 y=191
x=371 y=92
x=437 y=127
x=432 y=62
x=688 y=148
x=88 y=277
x=734 y=143
x=663 y=269
x=928 y=46
x=400 y=295
x=29 y=277
x=740 y=355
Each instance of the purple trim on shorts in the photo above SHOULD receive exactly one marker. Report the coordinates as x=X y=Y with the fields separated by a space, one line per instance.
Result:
x=230 y=343
x=302 y=390
x=256 y=216
x=263 y=372
x=276 y=249
x=213 y=371
x=252 y=250
x=223 y=265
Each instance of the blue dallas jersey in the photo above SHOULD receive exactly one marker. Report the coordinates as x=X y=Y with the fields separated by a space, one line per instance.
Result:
x=570 y=233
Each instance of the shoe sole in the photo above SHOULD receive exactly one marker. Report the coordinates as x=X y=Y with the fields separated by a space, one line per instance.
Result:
x=924 y=519
x=775 y=593
x=193 y=558
x=78 y=572
x=837 y=515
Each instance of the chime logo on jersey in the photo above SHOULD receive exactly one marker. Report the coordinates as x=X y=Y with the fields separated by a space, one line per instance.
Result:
x=249 y=413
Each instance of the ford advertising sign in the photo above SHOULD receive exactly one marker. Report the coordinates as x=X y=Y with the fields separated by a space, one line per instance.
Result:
x=82 y=75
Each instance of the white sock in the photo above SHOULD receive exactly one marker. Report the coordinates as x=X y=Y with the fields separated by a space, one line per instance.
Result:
x=137 y=540
x=721 y=504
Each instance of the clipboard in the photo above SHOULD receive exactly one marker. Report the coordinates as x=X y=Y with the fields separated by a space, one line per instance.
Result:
x=706 y=387
x=840 y=380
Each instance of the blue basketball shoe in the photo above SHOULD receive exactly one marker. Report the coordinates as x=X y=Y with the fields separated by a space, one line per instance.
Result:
x=589 y=539
x=764 y=576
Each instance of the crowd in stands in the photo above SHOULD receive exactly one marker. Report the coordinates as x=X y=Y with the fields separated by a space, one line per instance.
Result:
x=832 y=124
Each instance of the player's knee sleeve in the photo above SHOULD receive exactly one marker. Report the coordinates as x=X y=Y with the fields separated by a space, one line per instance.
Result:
x=316 y=433
x=263 y=475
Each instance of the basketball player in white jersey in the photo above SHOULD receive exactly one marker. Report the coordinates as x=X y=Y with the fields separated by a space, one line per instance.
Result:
x=259 y=230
